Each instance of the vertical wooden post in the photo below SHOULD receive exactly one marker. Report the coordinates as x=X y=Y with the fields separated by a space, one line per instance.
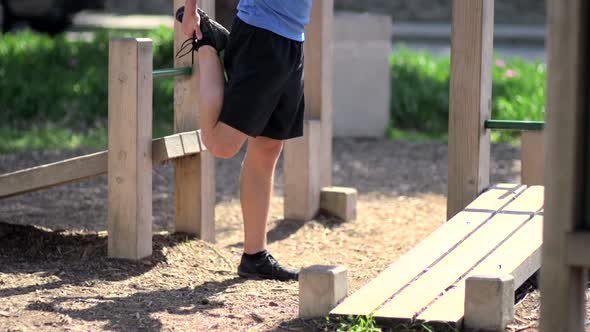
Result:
x=130 y=148
x=318 y=105
x=562 y=286
x=302 y=173
x=532 y=158
x=470 y=101
x=194 y=176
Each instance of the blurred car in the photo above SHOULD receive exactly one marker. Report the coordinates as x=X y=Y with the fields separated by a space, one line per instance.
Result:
x=51 y=16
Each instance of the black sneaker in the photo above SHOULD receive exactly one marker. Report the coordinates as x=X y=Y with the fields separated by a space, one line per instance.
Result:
x=263 y=266
x=214 y=34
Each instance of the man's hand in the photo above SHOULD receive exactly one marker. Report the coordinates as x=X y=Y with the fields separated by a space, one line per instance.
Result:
x=191 y=21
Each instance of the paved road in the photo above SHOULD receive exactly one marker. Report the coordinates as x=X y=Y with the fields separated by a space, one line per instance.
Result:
x=532 y=52
x=511 y=40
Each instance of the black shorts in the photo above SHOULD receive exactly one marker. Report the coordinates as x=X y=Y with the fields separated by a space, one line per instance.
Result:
x=264 y=92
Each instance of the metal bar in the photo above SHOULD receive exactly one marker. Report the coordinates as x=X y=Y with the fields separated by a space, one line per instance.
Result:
x=515 y=125
x=172 y=72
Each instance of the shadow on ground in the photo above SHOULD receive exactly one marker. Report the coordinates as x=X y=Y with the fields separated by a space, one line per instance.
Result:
x=116 y=311
x=73 y=258
x=80 y=260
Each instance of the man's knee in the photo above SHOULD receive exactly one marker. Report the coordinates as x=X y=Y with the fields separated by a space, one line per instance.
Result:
x=223 y=151
x=223 y=142
x=265 y=149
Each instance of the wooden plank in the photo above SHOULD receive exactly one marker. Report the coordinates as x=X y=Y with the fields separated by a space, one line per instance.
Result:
x=530 y=202
x=302 y=174
x=532 y=158
x=470 y=101
x=419 y=293
x=130 y=148
x=519 y=256
x=562 y=286
x=86 y=167
x=578 y=249
x=195 y=176
x=318 y=105
x=54 y=174
x=464 y=257
x=428 y=252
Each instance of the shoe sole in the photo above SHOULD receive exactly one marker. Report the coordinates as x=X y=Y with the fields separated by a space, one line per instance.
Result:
x=252 y=276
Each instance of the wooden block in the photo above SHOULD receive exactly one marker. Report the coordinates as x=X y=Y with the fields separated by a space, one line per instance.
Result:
x=173 y=146
x=321 y=288
x=302 y=174
x=470 y=102
x=532 y=158
x=489 y=303
x=195 y=176
x=428 y=252
x=130 y=148
x=339 y=202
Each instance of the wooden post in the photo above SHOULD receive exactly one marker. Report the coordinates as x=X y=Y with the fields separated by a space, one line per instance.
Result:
x=562 y=285
x=130 y=148
x=194 y=176
x=470 y=101
x=318 y=105
x=532 y=158
x=302 y=173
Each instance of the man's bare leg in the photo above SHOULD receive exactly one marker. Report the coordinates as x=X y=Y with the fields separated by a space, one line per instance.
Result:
x=220 y=139
x=256 y=183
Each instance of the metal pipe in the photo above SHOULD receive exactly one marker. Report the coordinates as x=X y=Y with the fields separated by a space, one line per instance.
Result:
x=172 y=72
x=515 y=125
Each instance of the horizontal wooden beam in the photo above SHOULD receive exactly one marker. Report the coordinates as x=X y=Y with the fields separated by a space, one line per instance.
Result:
x=578 y=249
x=91 y=165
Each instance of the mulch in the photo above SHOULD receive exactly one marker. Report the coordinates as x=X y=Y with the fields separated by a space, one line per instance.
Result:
x=55 y=276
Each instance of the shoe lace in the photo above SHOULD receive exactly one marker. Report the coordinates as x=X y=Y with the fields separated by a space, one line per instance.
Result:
x=272 y=260
x=192 y=44
x=274 y=264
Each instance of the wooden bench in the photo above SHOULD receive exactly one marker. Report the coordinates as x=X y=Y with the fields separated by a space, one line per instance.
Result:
x=500 y=233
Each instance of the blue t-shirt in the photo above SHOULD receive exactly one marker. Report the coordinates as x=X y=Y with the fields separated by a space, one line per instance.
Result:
x=287 y=18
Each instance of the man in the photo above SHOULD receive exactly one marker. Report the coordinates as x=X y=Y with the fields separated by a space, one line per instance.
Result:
x=261 y=103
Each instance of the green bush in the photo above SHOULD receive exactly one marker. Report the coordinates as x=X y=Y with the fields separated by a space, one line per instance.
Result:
x=420 y=92
x=53 y=91
x=64 y=82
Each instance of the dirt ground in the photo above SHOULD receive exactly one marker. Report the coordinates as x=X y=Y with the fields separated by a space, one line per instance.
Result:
x=54 y=274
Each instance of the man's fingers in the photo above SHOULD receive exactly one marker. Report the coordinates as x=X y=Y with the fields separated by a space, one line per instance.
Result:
x=198 y=27
x=198 y=33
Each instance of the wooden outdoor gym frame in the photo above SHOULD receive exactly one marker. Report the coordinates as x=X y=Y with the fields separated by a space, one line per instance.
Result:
x=132 y=153
x=566 y=236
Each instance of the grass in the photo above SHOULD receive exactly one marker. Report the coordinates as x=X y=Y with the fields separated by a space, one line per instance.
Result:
x=53 y=92
x=420 y=94
x=51 y=137
x=368 y=324
x=416 y=136
x=352 y=324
